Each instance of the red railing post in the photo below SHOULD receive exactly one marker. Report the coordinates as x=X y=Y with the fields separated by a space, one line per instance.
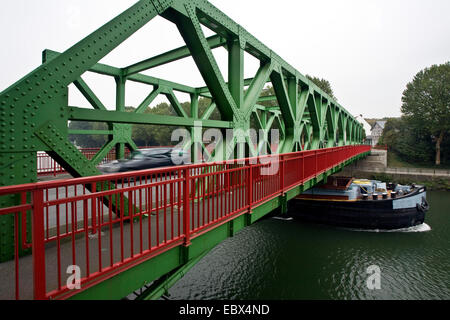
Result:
x=94 y=209
x=38 y=234
x=250 y=187
x=315 y=156
x=281 y=173
x=186 y=207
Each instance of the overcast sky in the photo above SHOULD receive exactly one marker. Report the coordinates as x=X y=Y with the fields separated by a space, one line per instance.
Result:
x=368 y=49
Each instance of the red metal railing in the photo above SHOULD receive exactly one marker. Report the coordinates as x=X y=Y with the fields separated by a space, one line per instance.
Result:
x=108 y=224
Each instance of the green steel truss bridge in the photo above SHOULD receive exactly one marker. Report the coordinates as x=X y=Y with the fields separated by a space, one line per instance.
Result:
x=140 y=232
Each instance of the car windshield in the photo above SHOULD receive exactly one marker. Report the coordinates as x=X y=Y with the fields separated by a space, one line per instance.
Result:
x=136 y=155
x=156 y=151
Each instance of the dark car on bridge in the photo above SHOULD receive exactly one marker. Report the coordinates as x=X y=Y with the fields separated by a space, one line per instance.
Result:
x=148 y=159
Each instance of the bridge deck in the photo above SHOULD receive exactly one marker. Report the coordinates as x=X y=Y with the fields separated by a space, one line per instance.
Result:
x=114 y=245
x=140 y=214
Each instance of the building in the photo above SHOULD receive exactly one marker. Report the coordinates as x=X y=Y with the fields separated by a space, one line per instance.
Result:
x=377 y=132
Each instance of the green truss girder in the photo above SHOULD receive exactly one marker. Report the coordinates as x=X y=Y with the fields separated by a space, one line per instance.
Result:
x=65 y=151
x=41 y=98
x=83 y=114
x=171 y=56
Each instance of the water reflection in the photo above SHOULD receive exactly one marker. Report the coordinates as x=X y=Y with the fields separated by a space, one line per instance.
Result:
x=291 y=260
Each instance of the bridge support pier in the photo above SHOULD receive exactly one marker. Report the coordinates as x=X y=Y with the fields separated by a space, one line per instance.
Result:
x=284 y=204
x=231 y=231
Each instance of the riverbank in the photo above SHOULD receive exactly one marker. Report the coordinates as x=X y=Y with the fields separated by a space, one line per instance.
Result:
x=394 y=161
x=377 y=167
x=433 y=183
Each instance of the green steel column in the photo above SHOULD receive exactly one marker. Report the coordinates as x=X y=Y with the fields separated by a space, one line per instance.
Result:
x=120 y=106
x=332 y=126
x=196 y=132
x=314 y=108
x=236 y=71
x=292 y=130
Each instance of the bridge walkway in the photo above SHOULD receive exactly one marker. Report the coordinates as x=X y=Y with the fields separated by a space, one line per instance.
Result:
x=146 y=223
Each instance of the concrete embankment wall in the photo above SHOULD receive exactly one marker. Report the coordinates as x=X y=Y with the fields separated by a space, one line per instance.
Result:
x=376 y=164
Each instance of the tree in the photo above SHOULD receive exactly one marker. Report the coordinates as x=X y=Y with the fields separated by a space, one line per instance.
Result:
x=426 y=103
x=84 y=140
x=409 y=143
x=323 y=84
x=155 y=135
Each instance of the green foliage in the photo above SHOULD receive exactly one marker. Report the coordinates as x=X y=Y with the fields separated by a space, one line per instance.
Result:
x=88 y=141
x=323 y=84
x=426 y=104
x=411 y=144
x=419 y=135
x=426 y=100
x=154 y=135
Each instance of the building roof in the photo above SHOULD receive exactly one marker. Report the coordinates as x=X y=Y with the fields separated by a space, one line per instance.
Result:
x=380 y=123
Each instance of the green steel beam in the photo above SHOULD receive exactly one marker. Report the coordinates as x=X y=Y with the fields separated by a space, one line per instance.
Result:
x=204 y=91
x=256 y=87
x=64 y=152
x=91 y=132
x=267 y=99
x=176 y=104
x=101 y=154
x=148 y=100
x=141 y=78
x=190 y=30
x=332 y=118
x=120 y=107
x=236 y=71
x=83 y=114
x=196 y=132
x=89 y=94
x=171 y=56
x=283 y=98
x=209 y=111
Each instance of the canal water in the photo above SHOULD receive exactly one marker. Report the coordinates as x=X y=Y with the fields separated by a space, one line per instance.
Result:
x=291 y=260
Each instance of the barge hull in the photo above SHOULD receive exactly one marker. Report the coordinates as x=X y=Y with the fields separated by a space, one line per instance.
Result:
x=364 y=215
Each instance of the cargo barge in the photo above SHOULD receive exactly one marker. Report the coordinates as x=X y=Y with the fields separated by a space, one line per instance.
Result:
x=362 y=204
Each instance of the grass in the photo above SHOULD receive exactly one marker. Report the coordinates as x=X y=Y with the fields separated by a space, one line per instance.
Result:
x=394 y=161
